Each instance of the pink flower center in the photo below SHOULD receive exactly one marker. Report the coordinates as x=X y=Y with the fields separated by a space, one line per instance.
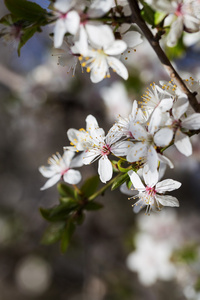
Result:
x=150 y=191
x=84 y=18
x=63 y=15
x=105 y=150
x=178 y=11
x=64 y=171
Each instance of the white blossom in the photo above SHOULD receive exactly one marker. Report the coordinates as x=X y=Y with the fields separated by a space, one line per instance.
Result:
x=60 y=167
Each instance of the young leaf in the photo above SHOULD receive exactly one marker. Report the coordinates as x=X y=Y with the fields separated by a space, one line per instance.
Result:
x=159 y=16
x=148 y=13
x=59 y=212
x=25 y=9
x=91 y=205
x=64 y=190
x=119 y=181
x=90 y=186
x=66 y=236
x=53 y=233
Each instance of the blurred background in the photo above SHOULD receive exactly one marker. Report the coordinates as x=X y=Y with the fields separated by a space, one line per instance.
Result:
x=115 y=254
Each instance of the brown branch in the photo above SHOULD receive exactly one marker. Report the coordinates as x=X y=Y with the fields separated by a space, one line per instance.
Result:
x=137 y=19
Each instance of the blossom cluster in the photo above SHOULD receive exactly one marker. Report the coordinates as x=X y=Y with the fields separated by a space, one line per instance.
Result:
x=91 y=41
x=163 y=118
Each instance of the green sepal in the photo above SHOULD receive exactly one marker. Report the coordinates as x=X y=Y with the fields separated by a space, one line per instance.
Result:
x=148 y=13
x=91 y=205
x=119 y=181
x=59 y=212
x=53 y=233
x=90 y=186
x=66 y=235
x=64 y=190
x=25 y=9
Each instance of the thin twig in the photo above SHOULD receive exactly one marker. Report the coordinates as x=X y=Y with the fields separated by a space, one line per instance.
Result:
x=137 y=19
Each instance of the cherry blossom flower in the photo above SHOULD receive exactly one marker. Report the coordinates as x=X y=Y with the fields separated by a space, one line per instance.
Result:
x=60 y=167
x=183 y=15
x=180 y=123
x=68 y=21
x=151 y=260
x=152 y=193
x=102 y=147
x=99 y=60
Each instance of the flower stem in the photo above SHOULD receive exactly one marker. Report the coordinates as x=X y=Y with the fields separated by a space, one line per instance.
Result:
x=103 y=189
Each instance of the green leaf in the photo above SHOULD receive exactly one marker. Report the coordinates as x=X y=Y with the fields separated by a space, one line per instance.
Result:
x=25 y=9
x=59 y=212
x=147 y=13
x=64 y=190
x=28 y=33
x=65 y=200
x=90 y=186
x=66 y=236
x=80 y=217
x=119 y=181
x=53 y=233
x=91 y=205
x=159 y=17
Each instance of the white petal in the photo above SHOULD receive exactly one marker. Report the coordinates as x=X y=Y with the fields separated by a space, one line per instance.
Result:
x=136 y=181
x=72 y=22
x=91 y=123
x=182 y=143
x=63 y=5
x=132 y=39
x=53 y=180
x=118 y=67
x=77 y=161
x=105 y=169
x=192 y=122
x=155 y=120
x=167 y=200
x=167 y=185
x=137 y=152
x=47 y=171
x=180 y=106
x=59 y=32
x=98 y=8
x=165 y=104
x=117 y=47
x=99 y=35
x=72 y=176
x=152 y=159
x=165 y=160
x=150 y=178
x=175 y=32
x=81 y=42
x=121 y=148
x=99 y=71
x=138 y=132
x=89 y=156
x=163 y=137
x=191 y=23
x=67 y=156
x=138 y=206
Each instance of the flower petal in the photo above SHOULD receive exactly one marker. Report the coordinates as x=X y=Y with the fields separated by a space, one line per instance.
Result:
x=136 y=181
x=117 y=47
x=182 y=143
x=72 y=22
x=167 y=185
x=137 y=152
x=167 y=200
x=118 y=67
x=99 y=35
x=192 y=122
x=163 y=137
x=53 y=180
x=132 y=38
x=105 y=169
x=72 y=176
x=180 y=106
x=47 y=171
x=98 y=8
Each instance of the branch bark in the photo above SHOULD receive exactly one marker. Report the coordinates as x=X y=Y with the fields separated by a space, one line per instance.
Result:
x=137 y=19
